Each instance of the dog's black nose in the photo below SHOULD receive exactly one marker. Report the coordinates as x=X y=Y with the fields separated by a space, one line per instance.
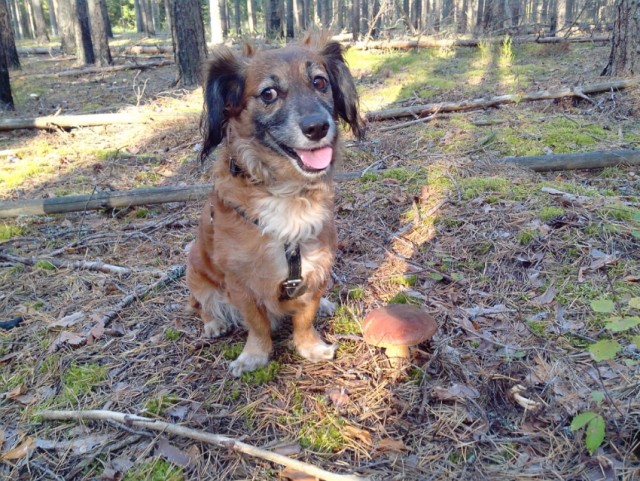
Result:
x=314 y=126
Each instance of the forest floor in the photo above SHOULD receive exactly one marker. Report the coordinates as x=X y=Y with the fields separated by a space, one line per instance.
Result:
x=523 y=272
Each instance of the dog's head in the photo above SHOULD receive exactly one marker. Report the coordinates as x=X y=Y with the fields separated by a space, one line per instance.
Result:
x=284 y=103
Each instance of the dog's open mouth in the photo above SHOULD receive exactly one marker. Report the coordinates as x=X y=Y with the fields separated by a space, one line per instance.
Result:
x=315 y=160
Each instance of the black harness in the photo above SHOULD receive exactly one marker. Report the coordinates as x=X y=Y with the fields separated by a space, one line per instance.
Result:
x=294 y=286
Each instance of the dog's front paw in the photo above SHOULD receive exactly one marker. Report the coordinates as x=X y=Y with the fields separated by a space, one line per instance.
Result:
x=247 y=363
x=326 y=308
x=215 y=328
x=318 y=351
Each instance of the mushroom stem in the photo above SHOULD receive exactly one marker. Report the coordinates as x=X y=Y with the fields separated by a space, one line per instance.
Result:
x=396 y=354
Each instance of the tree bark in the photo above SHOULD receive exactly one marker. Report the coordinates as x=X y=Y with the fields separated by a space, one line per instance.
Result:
x=38 y=18
x=84 y=46
x=66 y=24
x=138 y=11
x=101 y=50
x=188 y=41
x=355 y=19
x=147 y=19
x=237 y=18
x=53 y=21
x=273 y=19
x=12 y=60
x=251 y=16
x=105 y=18
x=6 y=99
x=290 y=19
x=215 y=22
x=625 y=41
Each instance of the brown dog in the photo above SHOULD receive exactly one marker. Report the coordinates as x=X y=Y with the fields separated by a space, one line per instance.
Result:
x=267 y=238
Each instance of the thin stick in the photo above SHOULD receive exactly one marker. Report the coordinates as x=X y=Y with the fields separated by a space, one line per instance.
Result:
x=215 y=439
x=176 y=272
x=89 y=265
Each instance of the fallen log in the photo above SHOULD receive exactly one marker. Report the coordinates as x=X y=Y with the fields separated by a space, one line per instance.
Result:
x=76 y=72
x=104 y=200
x=74 y=121
x=116 y=199
x=580 y=160
x=483 y=103
x=148 y=49
x=39 y=51
x=469 y=42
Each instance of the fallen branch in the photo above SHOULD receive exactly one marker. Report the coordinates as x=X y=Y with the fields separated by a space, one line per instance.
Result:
x=117 y=199
x=483 y=103
x=580 y=160
x=39 y=51
x=61 y=264
x=471 y=42
x=72 y=121
x=149 y=49
x=108 y=69
x=210 y=438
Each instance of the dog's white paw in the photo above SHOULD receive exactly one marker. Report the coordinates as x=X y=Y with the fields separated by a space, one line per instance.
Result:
x=215 y=328
x=326 y=308
x=247 y=363
x=318 y=352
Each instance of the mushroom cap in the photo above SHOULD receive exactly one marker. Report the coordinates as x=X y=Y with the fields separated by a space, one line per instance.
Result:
x=398 y=325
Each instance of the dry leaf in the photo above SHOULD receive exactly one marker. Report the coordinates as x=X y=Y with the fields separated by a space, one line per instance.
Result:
x=389 y=445
x=66 y=337
x=357 y=433
x=545 y=298
x=295 y=475
x=338 y=397
x=15 y=392
x=20 y=451
x=97 y=331
x=68 y=321
x=171 y=453
x=455 y=392
x=288 y=449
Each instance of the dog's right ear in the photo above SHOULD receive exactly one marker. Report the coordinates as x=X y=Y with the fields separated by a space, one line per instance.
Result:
x=223 y=90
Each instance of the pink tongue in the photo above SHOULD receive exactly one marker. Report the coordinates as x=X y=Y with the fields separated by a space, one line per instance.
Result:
x=316 y=159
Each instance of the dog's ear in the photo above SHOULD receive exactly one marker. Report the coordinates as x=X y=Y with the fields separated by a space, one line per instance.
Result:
x=223 y=90
x=345 y=97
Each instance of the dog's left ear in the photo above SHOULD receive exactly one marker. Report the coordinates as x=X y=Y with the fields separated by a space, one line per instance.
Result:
x=345 y=96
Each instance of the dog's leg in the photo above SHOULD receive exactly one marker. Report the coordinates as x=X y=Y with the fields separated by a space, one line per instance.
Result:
x=308 y=342
x=258 y=347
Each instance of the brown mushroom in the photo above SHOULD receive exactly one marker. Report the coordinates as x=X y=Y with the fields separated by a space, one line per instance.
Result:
x=396 y=327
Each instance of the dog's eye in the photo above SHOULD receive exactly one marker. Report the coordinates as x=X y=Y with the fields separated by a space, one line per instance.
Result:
x=320 y=83
x=269 y=95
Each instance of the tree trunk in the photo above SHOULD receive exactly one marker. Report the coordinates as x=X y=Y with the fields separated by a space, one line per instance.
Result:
x=355 y=19
x=298 y=8
x=167 y=13
x=273 y=19
x=6 y=99
x=215 y=22
x=99 y=40
x=82 y=29
x=105 y=18
x=225 y=18
x=623 y=59
x=237 y=20
x=138 y=11
x=66 y=24
x=38 y=18
x=251 y=16
x=290 y=19
x=147 y=20
x=10 y=54
x=30 y=23
x=52 y=17
x=188 y=41
x=18 y=27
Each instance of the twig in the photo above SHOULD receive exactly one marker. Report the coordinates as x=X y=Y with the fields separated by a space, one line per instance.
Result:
x=89 y=265
x=215 y=439
x=411 y=122
x=176 y=272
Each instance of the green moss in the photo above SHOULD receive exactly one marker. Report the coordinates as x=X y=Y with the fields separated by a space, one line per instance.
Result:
x=473 y=187
x=142 y=213
x=8 y=231
x=323 y=435
x=526 y=237
x=231 y=352
x=45 y=265
x=407 y=280
x=547 y=214
x=538 y=327
x=344 y=323
x=262 y=375
x=356 y=292
x=81 y=379
x=155 y=470
x=172 y=334
x=158 y=405
x=620 y=212
x=403 y=298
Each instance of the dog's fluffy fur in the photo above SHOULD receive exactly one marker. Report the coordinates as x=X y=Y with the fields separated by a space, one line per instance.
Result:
x=275 y=113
